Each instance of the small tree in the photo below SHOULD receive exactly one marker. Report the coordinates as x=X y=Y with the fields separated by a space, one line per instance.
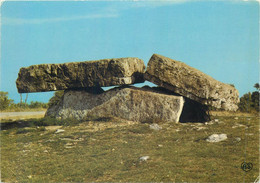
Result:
x=255 y=97
x=5 y=102
x=257 y=86
x=245 y=102
x=250 y=101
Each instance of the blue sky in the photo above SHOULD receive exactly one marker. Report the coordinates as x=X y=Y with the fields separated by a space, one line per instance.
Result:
x=220 y=38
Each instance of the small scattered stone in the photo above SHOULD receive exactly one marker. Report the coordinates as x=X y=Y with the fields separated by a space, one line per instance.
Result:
x=52 y=128
x=29 y=128
x=216 y=137
x=160 y=145
x=199 y=124
x=60 y=131
x=50 y=140
x=251 y=134
x=68 y=147
x=209 y=123
x=69 y=144
x=236 y=118
x=238 y=139
x=28 y=144
x=45 y=151
x=155 y=127
x=74 y=140
x=198 y=128
x=144 y=158
x=239 y=125
x=216 y=120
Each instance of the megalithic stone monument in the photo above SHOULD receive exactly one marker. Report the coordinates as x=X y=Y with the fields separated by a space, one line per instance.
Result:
x=185 y=92
x=191 y=83
x=131 y=103
x=101 y=73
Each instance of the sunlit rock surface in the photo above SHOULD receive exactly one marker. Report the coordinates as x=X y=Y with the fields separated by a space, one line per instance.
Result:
x=73 y=75
x=131 y=103
x=191 y=83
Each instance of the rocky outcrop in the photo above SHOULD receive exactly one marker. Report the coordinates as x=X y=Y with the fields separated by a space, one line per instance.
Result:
x=107 y=72
x=131 y=103
x=191 y=83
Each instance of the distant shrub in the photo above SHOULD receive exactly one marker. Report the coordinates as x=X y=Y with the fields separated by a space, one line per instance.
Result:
x=37 y=104
x=249 y=102
x=8 y=104
x=5 y=102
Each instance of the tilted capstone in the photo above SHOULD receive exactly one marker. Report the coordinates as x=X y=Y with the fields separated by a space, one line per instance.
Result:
x=191 y=83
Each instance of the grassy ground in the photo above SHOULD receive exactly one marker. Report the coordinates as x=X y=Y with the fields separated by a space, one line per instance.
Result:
x=109 y=150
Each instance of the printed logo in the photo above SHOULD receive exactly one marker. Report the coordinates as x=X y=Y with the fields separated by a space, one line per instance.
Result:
x=246 y=166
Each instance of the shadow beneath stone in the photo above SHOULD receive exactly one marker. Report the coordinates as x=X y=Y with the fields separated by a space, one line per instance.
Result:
x=194 y=112
x=14 y=124
x=47 y=121
x=92 y=90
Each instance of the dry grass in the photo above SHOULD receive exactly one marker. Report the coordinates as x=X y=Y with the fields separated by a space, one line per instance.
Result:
x=109 y=151
x=228 y=113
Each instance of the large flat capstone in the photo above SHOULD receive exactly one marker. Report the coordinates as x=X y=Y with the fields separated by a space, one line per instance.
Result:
x=106 y=72
x=191 y=83
x=131 y=103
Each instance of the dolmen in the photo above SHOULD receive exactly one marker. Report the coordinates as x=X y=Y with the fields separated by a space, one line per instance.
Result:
x=183 y=93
